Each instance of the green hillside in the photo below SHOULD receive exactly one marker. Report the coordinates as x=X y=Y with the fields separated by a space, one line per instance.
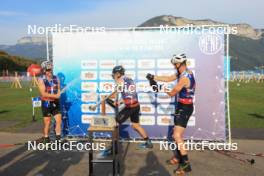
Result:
x=246 y=53
x=14 y=63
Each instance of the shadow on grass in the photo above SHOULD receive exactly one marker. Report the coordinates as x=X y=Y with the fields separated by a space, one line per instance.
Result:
x=4 y=111
x=257 y=115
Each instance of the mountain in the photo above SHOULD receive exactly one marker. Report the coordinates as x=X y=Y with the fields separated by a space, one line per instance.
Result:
x=14 y=63
x=246 y=48
x=29 y=47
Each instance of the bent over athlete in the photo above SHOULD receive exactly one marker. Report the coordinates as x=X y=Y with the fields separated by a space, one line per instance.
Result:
x=130 y=99
x=184 y=90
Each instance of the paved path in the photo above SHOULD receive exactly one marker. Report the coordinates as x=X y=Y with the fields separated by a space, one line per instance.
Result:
x=20 y=162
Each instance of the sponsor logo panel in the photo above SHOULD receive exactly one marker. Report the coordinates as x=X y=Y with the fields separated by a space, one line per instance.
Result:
x=147 y=120
x=88 y=75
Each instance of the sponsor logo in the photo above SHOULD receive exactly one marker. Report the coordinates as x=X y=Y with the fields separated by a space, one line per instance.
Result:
x=147 y=109
x=88 y=75
x=107 y=64
x=147 y=120
x=86 y=119
x=210 y=44
x=89 y=64
x=85 y=108
x=89 y=97
x=164 y=63
x=146 y=63
x=165 y=120
x=164 y=98
x=105 y=75
x=127 y=63
x=146 y=97
x=166 y=72
x=131 y=74
x=107 y=86
x=165 y=109
x=89 y=86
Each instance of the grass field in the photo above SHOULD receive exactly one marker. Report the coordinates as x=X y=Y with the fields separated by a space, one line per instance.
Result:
x=246 y=106
x=15 y=106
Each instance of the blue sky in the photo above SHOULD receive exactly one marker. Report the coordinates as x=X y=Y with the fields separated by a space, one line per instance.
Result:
x=15 y=15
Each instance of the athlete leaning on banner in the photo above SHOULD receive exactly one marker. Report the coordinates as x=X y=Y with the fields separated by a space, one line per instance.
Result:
x=49 y=88
x=184 y=90
x=130 y=100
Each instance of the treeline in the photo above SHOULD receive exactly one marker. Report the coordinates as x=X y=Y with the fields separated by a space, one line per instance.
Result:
x=14 y=63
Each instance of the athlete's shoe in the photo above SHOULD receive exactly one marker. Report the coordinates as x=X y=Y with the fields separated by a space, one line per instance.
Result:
x=147 y=144
x=43 y=140
x=183 y=168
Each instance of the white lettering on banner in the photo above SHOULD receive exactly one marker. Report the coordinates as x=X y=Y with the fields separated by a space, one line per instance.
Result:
x=105 y=75
x=147 y=109
x=146 y=63
x=127 y=63
x=107 y=64
x=165 y=120
x=89 y=64
x=147 y=120
x=166 y=109
x=89 y=75
x=164 y=63
x=191 y=121
x=86 y=119
x=89 y=86
x=89 y=97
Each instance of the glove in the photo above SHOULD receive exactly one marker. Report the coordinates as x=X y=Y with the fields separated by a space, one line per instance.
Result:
x=150 y=76
x=154 y=85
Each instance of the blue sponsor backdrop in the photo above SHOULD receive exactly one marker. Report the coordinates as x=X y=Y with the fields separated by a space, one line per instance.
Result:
x=84 y=61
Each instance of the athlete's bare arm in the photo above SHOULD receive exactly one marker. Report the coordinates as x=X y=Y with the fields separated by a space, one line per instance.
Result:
x=183 y=82
x=165 y=78
x=41 y=87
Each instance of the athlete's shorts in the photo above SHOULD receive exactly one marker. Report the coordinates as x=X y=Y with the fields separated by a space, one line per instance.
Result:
x=50 y=108
x=182 y=114
x=127 y=112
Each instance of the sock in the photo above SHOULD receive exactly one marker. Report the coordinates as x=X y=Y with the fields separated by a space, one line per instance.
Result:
x=184 y=158
x=177 y=155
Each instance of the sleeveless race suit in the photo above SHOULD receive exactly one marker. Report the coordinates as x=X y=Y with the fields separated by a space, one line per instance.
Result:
x=50 y=106
x=130 y=99
x=185 y=97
